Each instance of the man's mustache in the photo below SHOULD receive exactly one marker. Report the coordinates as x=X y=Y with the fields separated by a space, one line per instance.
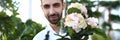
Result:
x=54 y=15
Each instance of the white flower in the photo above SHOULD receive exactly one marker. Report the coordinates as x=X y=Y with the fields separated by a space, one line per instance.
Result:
x=76 y=21
x=79 y=6
x=92 y=22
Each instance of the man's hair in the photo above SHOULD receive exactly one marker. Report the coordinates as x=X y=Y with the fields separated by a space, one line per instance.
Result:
x=61 y=1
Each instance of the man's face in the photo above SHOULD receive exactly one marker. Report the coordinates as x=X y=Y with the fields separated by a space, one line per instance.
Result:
x=52 y=10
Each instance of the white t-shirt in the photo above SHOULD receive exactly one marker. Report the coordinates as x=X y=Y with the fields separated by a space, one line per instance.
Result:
x=42 y=35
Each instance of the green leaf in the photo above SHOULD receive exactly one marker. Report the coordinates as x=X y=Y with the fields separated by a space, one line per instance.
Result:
x=112 y=4
x=4 y=37
x=74 y=1
x=71 y=32
x=97 y=37
x=105 y=25
x=2 y=15
x=100 y=32
x=31 y=29
x=73 y=10
x=115 y=18
x=97 y=14
x=117 y=30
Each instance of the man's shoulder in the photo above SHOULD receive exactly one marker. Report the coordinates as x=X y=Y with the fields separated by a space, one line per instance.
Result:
x=40 y=35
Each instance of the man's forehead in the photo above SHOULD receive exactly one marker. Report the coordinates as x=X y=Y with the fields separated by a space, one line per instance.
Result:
x=50 y=1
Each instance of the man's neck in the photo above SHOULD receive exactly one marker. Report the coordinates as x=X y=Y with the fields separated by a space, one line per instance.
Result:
x=55 y=27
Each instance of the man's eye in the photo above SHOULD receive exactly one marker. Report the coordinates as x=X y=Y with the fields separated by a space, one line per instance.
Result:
x=46 y=6
x=56 y=5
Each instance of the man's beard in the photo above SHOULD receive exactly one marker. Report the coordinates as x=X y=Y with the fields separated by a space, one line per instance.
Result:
x=54 y=18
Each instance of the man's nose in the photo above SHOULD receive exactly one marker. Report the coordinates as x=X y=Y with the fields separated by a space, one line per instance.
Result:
x=52 y=11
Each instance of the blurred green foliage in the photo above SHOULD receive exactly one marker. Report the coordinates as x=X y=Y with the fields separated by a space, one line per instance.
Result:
x=12 y=28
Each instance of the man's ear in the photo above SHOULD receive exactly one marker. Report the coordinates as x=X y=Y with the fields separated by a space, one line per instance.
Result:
x=64 y=5
x=41 y=6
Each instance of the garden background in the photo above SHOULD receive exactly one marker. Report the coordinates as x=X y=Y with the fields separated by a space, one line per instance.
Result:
x=23 y=19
